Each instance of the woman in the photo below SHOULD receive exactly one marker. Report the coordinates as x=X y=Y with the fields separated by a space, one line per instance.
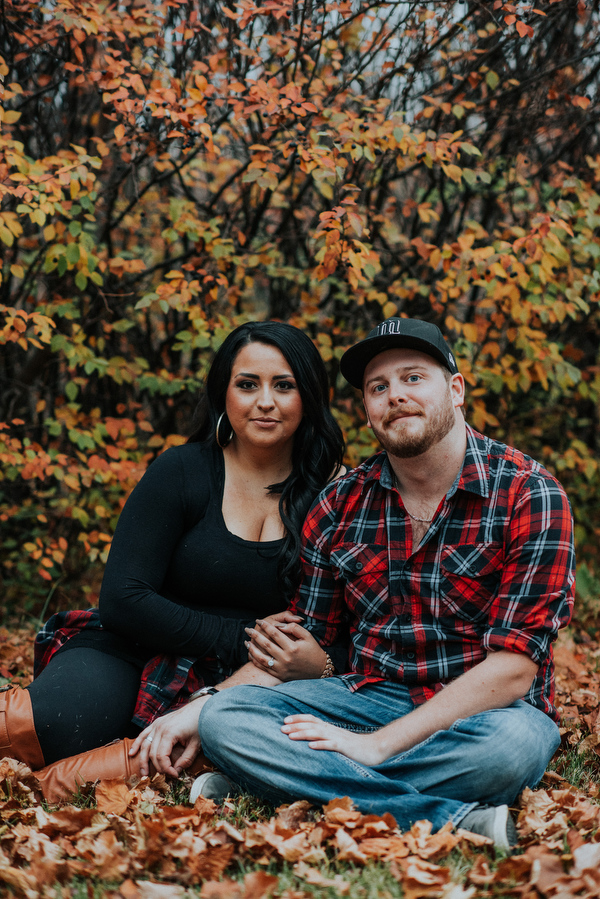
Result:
x=207 y=543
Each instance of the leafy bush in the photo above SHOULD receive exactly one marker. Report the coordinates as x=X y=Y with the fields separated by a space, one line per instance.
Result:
x=169 y=169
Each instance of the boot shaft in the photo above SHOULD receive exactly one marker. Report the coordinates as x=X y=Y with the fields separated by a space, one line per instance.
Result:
x=18 y=737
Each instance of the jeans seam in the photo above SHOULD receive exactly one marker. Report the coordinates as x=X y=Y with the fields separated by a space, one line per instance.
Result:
x=418 y=746
x=355 y=728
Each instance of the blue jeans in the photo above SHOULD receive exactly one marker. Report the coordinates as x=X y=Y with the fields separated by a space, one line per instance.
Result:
x=487 y=758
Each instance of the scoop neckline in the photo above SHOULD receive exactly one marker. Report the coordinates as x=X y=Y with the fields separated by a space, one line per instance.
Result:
x=242 y=540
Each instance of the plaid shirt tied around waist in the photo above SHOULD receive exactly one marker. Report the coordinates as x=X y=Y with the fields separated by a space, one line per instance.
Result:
x=495 y=571
x=167 y=681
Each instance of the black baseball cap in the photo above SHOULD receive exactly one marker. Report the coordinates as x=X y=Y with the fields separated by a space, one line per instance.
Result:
x=403 y=333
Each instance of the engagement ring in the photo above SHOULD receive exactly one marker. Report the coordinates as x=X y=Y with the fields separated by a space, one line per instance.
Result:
x=271 y=662
x=149 y=738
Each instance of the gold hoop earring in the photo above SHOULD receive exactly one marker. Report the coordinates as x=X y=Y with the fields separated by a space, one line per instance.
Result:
x=229 y=439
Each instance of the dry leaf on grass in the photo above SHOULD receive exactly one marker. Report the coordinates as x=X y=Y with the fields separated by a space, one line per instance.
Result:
x=316 y=878
x=113 y=797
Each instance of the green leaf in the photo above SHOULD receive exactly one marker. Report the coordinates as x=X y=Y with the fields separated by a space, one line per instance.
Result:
x=72 y=253
x=123 y=325
x=81 y=280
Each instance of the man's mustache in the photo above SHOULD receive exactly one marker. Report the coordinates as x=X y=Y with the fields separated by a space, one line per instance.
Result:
x=405 y=413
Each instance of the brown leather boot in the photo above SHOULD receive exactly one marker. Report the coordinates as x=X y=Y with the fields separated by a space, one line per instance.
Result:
x=112 y=762
x=18 y=739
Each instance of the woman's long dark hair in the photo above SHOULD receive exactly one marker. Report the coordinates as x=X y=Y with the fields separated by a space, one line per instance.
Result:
x=318 y=442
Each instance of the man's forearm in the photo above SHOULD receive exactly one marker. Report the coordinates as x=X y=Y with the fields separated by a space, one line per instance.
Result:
x=249 y=674
x=494 y=683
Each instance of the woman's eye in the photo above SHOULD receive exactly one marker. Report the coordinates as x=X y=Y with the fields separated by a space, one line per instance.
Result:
x=285 y=385
x=246 y=385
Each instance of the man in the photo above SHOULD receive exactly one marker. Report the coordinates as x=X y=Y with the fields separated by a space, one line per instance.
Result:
x=450 y=558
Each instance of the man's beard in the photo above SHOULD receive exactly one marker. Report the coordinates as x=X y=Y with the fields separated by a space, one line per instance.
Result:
x=408 y=445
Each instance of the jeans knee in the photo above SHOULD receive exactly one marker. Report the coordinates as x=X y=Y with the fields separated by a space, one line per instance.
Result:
x=528 y=743
x=513 y=752
x=223 y=718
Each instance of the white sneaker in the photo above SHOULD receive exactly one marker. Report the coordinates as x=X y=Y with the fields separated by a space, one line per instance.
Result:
x=212 y=785
x=495 y=822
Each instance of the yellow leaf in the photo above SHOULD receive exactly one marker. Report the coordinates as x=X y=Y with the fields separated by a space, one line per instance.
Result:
x=119 y=133
x=470 y=332
x=6 y=237
x=11 y=116
x=18 y=271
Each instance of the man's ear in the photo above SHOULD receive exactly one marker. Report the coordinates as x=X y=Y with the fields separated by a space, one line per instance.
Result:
x=457 y=387
x=366 y=411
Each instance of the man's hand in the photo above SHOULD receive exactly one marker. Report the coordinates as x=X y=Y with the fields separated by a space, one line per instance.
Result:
x=162 y=742
x=363 y=748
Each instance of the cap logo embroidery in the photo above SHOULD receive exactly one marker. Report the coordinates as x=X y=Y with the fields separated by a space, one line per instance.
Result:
x=389 y=328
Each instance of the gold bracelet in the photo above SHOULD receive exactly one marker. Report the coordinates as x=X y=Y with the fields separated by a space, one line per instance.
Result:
x=329 y=668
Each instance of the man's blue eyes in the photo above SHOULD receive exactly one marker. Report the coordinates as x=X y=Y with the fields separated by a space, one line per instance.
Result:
x=412 y=379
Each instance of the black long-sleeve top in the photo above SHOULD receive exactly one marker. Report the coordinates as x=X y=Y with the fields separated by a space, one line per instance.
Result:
x=177 y=581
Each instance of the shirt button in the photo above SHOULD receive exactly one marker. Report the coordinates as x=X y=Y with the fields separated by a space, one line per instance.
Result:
x=358 y=566
x=407 y=617
x=410 y=655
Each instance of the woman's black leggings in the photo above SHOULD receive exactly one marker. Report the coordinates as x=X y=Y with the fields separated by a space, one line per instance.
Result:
x=83 y=699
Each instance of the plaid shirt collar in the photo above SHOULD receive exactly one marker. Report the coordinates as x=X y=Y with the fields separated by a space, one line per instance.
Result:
x=474 y=476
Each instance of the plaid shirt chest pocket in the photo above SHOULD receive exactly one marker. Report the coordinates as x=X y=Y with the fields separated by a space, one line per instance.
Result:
x=469 y=579
x=363 y=569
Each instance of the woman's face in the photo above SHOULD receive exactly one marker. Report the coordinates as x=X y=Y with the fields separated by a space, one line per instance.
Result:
x=263 y=402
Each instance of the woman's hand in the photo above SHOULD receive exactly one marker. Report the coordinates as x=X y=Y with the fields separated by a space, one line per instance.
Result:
x=363 y=748
x=170 y=743
x=285 y=649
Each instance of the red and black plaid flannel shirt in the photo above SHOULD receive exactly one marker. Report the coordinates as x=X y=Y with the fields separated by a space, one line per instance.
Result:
x=494 y=571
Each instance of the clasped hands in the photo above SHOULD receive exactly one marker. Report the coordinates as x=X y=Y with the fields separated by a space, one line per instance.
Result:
x=280 y=646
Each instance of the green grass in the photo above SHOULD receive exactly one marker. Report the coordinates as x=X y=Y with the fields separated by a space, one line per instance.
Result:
x=580 y=769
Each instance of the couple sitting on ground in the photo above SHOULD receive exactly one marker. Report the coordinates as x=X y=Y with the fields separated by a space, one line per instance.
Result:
x=446 y=562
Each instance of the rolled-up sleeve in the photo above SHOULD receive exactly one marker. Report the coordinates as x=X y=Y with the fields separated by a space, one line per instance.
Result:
x=536 y=592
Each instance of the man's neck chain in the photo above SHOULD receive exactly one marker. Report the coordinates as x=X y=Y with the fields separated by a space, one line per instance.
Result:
x=414 y=517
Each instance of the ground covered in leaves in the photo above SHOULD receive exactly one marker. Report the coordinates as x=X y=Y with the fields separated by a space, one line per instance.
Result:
x=145 y=841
